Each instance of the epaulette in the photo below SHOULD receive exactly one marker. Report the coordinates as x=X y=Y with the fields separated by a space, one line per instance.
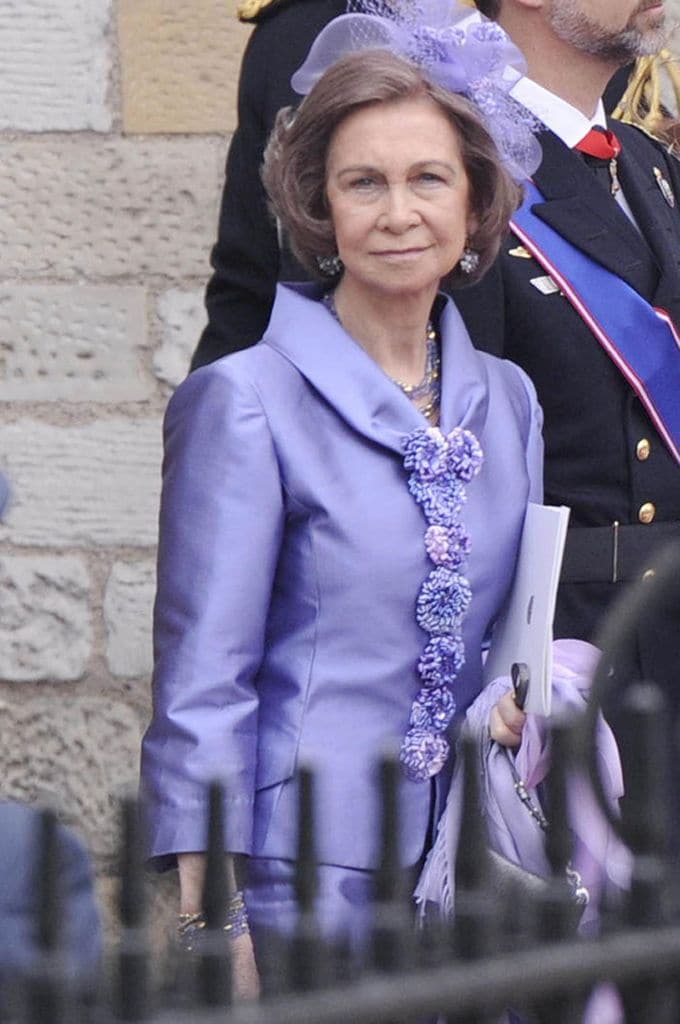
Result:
x=255 y=11
x=645 y=103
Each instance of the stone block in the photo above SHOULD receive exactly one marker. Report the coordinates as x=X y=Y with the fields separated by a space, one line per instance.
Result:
x=45 y=626
x=56 y=62
x=79 y=755
x=92 y=484
x=109 y=208
x=72 y=342
x=128 y=607
x=182 y=315
x=180 y=64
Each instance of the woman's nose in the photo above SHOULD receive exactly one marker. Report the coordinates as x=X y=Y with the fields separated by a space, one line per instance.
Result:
x=400 y=211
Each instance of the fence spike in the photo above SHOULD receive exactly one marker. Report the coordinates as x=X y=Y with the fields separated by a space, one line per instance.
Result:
x=132 y=987
x=214 y=961
x=393 y=935
x=306 y=865
x=47 y=987
x=309 y=956
x=645 y=736
x=477 y=916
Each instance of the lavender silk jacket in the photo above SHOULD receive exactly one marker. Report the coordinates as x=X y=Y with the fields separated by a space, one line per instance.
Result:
x=291 y=555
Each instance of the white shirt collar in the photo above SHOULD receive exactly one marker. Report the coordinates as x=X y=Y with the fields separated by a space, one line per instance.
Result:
x=565 y=121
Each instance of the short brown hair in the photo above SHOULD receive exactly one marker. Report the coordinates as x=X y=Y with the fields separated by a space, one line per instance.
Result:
x=294 y=171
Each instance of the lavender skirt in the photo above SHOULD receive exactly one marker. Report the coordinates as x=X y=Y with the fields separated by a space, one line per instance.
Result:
x=343 y=903
x=343 y=912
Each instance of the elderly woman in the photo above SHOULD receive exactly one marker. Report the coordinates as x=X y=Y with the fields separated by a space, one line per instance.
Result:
x=342 y=503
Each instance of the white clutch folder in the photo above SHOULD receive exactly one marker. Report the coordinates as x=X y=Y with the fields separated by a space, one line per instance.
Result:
x=523 y=631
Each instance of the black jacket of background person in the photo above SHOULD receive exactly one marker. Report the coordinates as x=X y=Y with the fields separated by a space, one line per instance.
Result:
x=246 y=259
x=604 y=458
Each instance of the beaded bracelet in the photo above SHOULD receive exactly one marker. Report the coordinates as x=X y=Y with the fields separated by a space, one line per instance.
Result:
x=237 y=916
x=189 y=926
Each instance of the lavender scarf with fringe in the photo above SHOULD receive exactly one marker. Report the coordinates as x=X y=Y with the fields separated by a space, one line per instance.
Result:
x=602 y=861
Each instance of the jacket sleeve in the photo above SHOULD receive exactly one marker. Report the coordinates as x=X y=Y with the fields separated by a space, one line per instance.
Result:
x=535 y=447
x=221 y=524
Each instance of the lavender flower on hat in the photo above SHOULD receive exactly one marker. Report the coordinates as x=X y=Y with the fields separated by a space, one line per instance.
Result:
x=455 y=48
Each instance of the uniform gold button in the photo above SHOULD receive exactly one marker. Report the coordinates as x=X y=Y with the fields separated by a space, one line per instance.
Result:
x=649 y=574
x=647 y=512
x=642 y=449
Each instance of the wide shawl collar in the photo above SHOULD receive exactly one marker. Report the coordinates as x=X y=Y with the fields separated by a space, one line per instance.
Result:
x=305 y=332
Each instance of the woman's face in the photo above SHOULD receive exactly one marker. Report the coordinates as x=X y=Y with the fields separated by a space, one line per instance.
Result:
x=398 y=196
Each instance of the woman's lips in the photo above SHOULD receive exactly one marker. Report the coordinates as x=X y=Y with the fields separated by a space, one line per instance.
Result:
x=400 y=253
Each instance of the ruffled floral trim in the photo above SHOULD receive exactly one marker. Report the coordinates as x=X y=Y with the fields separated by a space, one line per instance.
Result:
x=440 y=466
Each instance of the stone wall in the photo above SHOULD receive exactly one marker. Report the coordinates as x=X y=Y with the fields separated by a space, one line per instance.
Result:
x=115 y=116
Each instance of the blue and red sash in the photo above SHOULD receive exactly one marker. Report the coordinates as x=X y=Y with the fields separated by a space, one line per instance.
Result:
x=640 y=339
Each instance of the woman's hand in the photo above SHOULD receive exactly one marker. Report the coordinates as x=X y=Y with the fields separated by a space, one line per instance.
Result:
x=506 y=721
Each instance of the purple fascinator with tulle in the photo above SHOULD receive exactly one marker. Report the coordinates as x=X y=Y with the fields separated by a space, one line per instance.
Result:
x=455 y=47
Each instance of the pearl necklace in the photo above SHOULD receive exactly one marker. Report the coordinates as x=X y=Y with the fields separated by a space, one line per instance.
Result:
x=426 y=395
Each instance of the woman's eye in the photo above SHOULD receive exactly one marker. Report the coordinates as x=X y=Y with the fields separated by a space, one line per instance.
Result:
x=363 y=183
x=430 y=178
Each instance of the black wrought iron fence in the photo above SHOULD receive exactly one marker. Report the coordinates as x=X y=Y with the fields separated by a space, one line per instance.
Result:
x=517 y=950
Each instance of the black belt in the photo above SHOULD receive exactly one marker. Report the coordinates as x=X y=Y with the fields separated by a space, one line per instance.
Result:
x=609 y=554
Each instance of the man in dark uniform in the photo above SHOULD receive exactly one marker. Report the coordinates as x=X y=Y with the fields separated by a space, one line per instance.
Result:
x=608 y=455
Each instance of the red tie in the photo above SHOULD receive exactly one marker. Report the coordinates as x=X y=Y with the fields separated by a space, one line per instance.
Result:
x=599 y=143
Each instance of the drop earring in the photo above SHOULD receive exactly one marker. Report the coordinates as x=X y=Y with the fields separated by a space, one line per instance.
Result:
x=469 y=261
x=330 y=266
